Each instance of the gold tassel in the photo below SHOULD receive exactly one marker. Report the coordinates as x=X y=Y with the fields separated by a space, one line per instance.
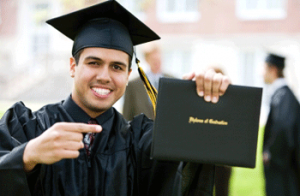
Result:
x=151 y=91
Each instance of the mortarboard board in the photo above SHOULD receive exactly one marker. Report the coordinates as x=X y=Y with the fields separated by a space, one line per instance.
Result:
x=275 y=60
x=107 y=25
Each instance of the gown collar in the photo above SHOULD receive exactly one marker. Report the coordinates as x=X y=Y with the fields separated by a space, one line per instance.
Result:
x=277 y=84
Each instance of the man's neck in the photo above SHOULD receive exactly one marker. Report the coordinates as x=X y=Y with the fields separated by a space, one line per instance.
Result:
x=91 y=113
x=277 y=84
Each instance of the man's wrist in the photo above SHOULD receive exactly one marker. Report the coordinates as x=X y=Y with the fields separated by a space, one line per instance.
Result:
x=28 y=159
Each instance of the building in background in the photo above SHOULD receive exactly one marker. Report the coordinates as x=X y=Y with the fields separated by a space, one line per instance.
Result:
x=32 y=56
x=234 y=34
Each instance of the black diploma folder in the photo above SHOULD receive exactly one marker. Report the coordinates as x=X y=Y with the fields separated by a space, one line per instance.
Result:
x=187 y=128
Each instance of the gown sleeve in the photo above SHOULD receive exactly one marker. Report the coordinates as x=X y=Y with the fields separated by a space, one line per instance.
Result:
x=14 y=136
x=168 y=177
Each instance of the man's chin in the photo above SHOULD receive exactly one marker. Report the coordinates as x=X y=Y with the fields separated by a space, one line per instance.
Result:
x=99 y=109
x=103 y=105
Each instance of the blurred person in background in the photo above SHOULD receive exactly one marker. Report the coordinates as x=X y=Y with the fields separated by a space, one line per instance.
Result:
x=280 y=152
x=136 y=100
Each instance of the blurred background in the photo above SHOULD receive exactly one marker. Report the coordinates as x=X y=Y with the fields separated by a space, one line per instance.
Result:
x=234 y=35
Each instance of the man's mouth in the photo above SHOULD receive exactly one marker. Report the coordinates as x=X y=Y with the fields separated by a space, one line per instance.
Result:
x=101 y=91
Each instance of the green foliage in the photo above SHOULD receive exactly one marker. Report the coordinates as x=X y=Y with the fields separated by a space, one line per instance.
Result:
x=1 y=114
x=249 y=182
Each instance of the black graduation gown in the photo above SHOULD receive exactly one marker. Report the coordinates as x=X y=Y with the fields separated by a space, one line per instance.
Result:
x=119 y=164
x=281 y=140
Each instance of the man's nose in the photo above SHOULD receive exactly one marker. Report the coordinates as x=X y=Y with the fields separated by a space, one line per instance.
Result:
x=103 y=74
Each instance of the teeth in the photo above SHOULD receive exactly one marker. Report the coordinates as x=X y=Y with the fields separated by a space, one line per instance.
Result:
x=101 y=91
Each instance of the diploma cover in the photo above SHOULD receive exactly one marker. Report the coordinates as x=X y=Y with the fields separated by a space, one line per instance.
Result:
x=187 y=128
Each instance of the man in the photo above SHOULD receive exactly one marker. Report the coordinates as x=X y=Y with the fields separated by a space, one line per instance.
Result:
x=55 y=152
x=136 y=100
x=281 y=133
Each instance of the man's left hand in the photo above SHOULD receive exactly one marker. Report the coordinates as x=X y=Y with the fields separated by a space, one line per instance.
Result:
x=209 y=84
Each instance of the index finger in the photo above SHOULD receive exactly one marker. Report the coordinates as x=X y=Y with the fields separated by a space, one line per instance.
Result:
x=79 y=127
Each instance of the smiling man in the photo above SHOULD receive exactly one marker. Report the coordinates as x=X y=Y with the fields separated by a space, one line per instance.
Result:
x=100 y=78
x=82 y=145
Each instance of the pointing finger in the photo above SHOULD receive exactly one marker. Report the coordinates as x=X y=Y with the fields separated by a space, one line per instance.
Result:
x=78 y=127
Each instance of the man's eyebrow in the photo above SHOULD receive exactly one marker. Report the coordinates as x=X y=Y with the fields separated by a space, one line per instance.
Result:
x=120 y=63
x=99 y=59
x=92 y=58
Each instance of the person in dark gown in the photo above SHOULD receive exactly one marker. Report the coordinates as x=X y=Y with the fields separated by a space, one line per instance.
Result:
x=136 y=100
x=82 y=145
x=281 y=138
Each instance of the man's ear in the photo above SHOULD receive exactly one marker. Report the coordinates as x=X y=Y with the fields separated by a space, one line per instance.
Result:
x=273 y=70
x=72 y=67
x=129 y=72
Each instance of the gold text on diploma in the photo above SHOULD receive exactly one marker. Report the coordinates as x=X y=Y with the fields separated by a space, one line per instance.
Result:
x=207 y=121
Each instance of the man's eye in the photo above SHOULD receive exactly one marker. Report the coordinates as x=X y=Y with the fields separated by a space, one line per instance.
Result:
x=93 y=63
x=117 y=67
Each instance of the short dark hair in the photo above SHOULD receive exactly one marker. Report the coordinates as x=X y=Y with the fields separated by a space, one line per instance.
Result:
x=77 y=57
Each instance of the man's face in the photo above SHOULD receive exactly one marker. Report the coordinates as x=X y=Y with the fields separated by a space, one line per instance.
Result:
x=100 y=79
x=268 y=74
x=154 y=61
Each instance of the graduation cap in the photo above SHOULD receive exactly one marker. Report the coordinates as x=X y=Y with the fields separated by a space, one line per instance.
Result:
x=275 y=60
x=107 y=25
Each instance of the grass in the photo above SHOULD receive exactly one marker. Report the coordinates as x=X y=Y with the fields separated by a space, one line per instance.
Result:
x=249 y=182
x=1 y=113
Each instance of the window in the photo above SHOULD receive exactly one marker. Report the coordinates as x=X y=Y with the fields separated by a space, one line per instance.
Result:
x=40 y=43
x=177 y=61
x=261 y=9
x=40 y=14
x=177 y=10
x=0 y=13
x=251 y=65
x=40 y=37
x=247 y=61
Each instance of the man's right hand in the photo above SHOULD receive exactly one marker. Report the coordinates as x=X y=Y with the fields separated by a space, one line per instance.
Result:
x=61 y=141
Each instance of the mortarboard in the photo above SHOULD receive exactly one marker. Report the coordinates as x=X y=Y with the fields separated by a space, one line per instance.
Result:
x=275 y=60
x=107 y=25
